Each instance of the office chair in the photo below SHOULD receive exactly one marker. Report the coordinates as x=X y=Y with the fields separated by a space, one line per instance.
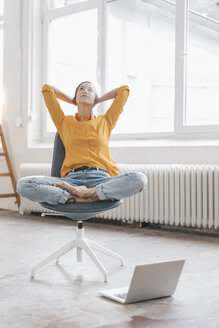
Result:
x=78 y=212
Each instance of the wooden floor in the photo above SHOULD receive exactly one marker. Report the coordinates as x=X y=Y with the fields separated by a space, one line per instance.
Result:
x=67 y=295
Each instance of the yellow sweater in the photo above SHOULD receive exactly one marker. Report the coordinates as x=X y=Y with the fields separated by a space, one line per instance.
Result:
x=86 y=141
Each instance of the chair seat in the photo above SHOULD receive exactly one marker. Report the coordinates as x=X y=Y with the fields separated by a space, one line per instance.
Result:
x=98 y=206
x=83 y=211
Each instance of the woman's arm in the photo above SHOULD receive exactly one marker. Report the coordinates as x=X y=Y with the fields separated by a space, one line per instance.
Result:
x=107 y=96
x=116 y=108
x=53 y=105
x=62 y=96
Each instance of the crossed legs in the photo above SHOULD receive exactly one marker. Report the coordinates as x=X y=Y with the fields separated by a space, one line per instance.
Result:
x=54 y=190
x=80 y=194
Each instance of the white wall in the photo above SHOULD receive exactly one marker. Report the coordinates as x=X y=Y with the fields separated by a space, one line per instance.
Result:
x=16 y=89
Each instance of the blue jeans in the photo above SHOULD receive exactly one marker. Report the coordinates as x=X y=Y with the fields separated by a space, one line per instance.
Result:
x=41 y=189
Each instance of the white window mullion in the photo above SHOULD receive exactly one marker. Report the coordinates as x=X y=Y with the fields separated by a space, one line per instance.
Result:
x=102 y=50
x=44 y=65
x=180 y=64
x=34 y=81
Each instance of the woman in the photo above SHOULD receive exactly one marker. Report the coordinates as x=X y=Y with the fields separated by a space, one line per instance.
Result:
x=89 y=172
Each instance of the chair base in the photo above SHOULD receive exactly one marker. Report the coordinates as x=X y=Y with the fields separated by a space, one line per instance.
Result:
x=80 y=243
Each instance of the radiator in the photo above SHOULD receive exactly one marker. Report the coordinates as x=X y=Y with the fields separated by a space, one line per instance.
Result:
x=181 y=195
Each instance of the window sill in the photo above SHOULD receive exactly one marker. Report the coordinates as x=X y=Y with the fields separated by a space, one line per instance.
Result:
x=146 y=143
x=164 y=143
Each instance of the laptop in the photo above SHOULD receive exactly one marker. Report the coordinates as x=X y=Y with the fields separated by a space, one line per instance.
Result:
x=149 y=281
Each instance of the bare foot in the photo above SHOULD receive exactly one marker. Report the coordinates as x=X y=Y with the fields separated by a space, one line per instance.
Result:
x=78 y=191
x=73 y=199
x=80 y=194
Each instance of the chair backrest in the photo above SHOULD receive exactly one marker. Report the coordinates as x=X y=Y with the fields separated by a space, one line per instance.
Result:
x=58 y=156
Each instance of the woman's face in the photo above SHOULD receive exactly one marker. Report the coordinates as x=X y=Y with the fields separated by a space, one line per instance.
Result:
x=85 y=94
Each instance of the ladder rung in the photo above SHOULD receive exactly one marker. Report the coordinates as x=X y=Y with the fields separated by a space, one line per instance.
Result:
x=5 y=174
x=3 y=154
x=7 y=195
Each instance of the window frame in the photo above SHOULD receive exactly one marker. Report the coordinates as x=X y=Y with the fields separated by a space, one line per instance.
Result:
x=181 y=131
x=52 y=14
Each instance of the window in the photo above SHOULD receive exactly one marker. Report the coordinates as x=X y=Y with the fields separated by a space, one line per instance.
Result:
x=196 y=89
x=1 y=56
x=72 y=49
x=66 y=69
x=202 y=107
x=165 y=50
x=141 y=53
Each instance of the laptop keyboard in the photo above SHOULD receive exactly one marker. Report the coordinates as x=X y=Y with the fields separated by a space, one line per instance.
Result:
x=122 y=295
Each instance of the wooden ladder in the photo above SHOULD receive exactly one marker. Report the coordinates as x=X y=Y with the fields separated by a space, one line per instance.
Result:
x=10 y=170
